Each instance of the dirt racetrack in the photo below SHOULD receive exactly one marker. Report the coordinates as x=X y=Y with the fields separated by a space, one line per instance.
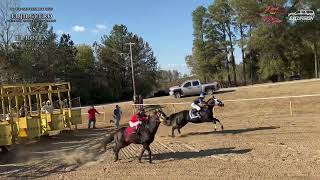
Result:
x=261 y=140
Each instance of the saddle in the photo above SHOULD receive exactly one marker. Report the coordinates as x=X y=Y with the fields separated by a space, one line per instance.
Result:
x=193 y=113
x=129 y=131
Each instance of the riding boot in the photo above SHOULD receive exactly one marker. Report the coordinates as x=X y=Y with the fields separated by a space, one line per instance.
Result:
x=138 y=130
x=198 y=113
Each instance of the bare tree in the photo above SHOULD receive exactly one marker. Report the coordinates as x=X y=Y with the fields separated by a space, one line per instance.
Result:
x=8 y=29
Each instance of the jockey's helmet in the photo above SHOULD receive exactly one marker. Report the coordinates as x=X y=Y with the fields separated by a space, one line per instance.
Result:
x=202 y=95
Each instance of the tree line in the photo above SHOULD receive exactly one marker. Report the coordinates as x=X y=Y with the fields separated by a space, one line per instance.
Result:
x=272 y=46
x=98 y=73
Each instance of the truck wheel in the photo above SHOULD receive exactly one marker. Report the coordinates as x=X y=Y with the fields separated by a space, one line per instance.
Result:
x=177 y=95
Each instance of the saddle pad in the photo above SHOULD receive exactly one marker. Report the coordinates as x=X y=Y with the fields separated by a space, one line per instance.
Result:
x=129 y=131
x=191 y=114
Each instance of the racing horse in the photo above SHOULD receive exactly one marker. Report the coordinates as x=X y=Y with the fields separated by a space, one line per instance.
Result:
x=182 y=118
x=123 y=137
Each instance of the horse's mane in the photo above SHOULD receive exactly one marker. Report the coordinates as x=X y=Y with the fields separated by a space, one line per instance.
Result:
x=175 y=114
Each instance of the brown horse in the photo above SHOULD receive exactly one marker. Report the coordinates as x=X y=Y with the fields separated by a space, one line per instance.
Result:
x=145 y=136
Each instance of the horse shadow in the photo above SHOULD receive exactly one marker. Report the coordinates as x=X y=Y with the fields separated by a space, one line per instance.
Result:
x=231 y=131
x=200 y=154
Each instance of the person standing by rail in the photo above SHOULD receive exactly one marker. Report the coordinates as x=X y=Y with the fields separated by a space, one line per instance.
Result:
x=117 y=115
x=140 y=102
x=92 y=117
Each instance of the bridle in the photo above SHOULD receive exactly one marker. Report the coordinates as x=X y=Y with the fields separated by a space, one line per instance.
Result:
x=161 y=115
x=220 y=103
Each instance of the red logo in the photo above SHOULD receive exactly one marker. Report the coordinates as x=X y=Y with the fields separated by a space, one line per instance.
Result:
x=271 y=14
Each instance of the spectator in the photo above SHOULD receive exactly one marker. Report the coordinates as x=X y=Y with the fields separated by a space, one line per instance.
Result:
x=140 y=102
x=136 y=101
x=48 y=108
x=23 y=111
x=117 y=115
x=92 y=117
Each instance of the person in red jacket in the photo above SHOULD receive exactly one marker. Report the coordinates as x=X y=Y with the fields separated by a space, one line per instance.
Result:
x=92 y=116
x=137 y=119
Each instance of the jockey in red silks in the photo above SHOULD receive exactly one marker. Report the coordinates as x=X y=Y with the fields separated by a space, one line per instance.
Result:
x=137 y=119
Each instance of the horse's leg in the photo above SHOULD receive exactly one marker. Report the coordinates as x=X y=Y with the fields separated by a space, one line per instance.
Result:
x=116 y=150
x=173 y=128
x=217 y=120
x=215 y=125
x=150 y=153
x=141 y=154
x=181 y=126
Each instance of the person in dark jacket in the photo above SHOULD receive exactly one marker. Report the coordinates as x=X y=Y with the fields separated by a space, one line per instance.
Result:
x=117 y=115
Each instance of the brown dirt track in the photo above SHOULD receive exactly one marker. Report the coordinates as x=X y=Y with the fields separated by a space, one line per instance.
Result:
x=261 y=141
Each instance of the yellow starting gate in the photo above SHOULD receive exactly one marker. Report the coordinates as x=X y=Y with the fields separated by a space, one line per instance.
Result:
x=35 y=121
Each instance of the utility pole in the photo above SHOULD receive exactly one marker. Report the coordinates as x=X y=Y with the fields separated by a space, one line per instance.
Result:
x=132 y=73
x=315 y=60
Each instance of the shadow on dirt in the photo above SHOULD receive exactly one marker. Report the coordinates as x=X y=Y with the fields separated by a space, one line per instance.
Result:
x=57 y=154
x=230 y=131
x=200 y=154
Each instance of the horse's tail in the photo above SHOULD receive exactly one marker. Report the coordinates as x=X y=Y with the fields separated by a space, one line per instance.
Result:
x=109 y=139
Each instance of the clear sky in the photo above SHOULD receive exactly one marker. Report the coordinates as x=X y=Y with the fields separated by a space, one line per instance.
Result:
x=165 y=24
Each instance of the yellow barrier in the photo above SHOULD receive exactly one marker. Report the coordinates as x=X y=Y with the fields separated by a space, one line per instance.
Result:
x=34 y=126
x=5 y=133
x=22 y=122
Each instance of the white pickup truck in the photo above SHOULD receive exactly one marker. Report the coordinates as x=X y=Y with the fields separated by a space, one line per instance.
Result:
x=193 y=87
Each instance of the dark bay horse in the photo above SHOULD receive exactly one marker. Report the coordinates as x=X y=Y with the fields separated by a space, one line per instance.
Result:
x=180 y=119
x=145 y=137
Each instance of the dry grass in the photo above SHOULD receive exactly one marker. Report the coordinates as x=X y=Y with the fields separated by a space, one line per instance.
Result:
x=259 y=107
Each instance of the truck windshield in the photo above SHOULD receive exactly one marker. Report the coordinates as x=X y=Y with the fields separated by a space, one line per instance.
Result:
x=195 y=83
x=188 y=84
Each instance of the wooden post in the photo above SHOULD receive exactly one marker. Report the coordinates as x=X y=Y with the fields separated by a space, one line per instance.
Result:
x=37 y=100
x=30 y=103
x=17 y=106
x=60 y=104
x=9 y=101
x=69 y=99
x=24 y=96
x=40 y=99
x=50 y=94
x=2 y=102
x=290 y=108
